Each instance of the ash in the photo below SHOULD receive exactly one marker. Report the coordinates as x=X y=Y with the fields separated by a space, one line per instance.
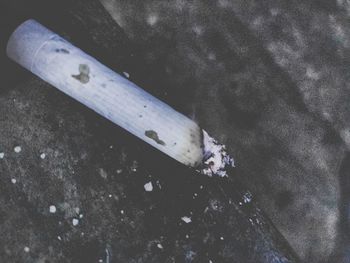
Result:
x=216 y=160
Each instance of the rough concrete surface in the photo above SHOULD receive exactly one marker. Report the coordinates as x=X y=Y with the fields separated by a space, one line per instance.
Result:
x=269 y=79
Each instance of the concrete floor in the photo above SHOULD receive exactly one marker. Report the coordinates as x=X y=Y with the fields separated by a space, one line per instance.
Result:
x=268 y=79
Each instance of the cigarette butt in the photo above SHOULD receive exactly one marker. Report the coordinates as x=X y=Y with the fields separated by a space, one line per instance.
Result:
x=82 y=77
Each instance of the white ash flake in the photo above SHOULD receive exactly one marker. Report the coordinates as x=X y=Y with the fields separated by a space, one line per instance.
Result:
x=134 y=166
x=247 y=197
x=152 y=19
x=17 y=149
x=75 y=221
x=2 y=155
x=216 y=159
x=26 y=249
x=13 y=180
x=43 y=156
x=59 y=238
x=148 y=187
x=160 y=246
x=186 y=219
x=52 y=209
x=122 y=212
x=221 y=238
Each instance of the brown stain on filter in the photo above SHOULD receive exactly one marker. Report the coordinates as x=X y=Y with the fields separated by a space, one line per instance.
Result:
x=83 y=77
x=154 y=136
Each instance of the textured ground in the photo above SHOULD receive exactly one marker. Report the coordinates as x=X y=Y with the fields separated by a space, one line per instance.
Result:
x=268 y=78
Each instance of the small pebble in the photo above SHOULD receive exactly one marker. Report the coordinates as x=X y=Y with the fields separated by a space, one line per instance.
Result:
x=122 y=212
x=43 y=156
x=126 y=74
x=26 y=249
x=186 y=219
x=13 y=180
x=160 y=246
x=222 y=238
x=81 y=216
x=52 y=209
x=148 y=187
x=59 y=238
x=17 y=149
x=2 y=155
x=75 y=222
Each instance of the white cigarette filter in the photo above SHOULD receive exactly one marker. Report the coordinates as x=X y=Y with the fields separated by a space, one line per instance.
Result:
x=82 y=77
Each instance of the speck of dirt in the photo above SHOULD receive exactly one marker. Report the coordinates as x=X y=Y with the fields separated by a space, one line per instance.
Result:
x=62 y=51
x=154 y=136
x=83 y=77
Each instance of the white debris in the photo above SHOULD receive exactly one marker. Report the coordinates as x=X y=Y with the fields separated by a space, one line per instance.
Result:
x=52 y=209
x=119 y=171
x=13 y=180
x=216 y=159
x=26 y=249
x=17 y=149
x=81 y=216
x=59 y=238
x=134 y=166
x=221 y=238
x=148 y=187
x=186 y=219
x=126 y=74
x=122 y=212
x=159 y=246
x=75 y=222
x=2 y=155
x=100 y=260
x=152 y=19
x=247 y=197
x=43 y=156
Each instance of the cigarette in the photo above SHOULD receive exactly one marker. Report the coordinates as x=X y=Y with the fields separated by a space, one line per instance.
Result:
x=85 y=79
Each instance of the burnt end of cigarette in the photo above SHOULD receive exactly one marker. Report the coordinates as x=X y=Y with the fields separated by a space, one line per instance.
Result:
x=216 y=161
